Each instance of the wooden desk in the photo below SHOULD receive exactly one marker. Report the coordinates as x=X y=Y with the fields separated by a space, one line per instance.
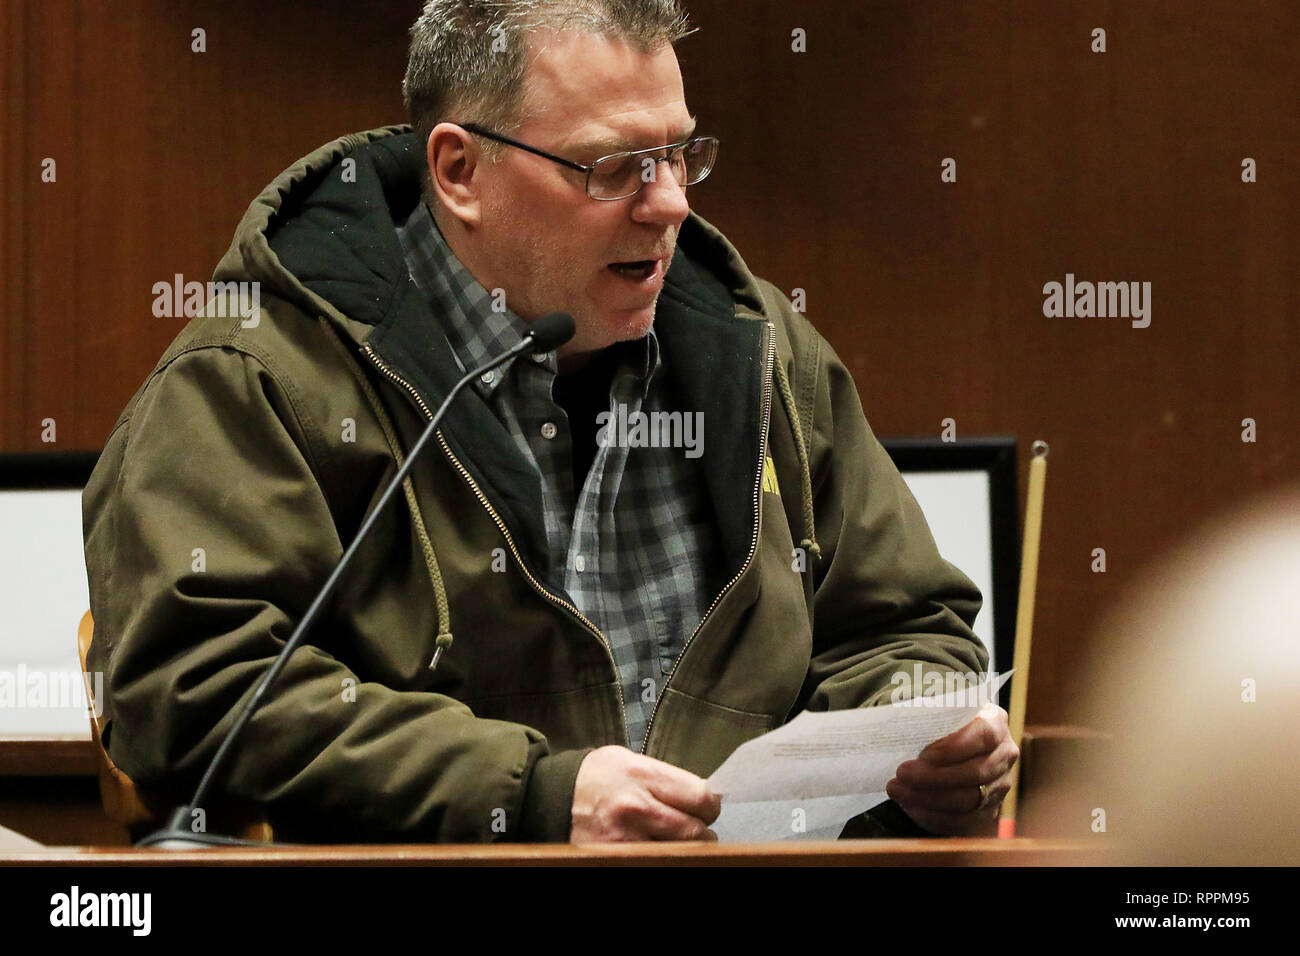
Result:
x=48 y=757
x=937 y=852
x=48 y=791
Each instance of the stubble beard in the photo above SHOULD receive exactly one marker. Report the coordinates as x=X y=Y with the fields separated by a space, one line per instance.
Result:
x=526 y=257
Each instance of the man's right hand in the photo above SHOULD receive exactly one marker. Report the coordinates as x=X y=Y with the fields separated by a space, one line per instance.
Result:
x=621 y=795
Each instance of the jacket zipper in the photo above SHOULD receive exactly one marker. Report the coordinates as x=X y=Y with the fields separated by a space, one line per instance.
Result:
x=478 y=493
x=753 y=546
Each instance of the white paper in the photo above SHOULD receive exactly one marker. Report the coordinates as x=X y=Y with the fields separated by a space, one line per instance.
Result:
x=811 y=776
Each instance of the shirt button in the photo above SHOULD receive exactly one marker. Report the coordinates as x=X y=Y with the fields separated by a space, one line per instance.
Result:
x=541 y=357
x=579 y=563
x=548 y=432
x=487 y=378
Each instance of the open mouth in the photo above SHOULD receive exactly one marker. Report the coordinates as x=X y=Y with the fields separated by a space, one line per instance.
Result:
x=637 y=271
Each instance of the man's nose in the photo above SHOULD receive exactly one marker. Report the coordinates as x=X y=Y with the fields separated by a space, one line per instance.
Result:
x=662 y=200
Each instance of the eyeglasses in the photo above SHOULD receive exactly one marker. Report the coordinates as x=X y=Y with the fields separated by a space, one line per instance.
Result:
x=621 y=175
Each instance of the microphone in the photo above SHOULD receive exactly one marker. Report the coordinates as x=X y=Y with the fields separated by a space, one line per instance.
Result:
x=551 y=331
x=544 y=335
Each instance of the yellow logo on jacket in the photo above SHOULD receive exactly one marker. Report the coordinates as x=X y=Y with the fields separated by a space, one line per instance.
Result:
x=769 y=477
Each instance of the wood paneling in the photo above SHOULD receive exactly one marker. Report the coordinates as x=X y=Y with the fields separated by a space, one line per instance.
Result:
x=159 y=152
x=13 y=270
x=58 y=811
x=1115 y=166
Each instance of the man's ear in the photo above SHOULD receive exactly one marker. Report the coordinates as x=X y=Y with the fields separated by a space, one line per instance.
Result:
x=454 y=167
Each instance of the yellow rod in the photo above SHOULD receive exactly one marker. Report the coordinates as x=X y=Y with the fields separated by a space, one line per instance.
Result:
x=1025 y=623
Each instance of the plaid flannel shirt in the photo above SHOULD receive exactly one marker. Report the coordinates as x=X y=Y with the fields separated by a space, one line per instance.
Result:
x=638 y=547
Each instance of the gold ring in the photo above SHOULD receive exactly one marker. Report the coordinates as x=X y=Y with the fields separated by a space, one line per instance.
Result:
x=984 y=797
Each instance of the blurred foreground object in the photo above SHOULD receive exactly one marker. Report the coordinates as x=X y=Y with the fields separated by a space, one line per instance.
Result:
x=1197 y=676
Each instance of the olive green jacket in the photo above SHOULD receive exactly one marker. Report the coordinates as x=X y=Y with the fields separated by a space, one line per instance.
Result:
x=246 y=461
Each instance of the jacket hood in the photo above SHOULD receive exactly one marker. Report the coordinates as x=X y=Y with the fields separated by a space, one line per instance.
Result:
x=322 y=235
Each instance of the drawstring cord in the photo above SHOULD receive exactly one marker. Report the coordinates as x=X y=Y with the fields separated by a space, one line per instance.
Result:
x=443 y=608
x=809 y=543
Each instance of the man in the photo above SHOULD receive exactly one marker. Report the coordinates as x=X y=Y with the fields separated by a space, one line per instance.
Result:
x=611 y=615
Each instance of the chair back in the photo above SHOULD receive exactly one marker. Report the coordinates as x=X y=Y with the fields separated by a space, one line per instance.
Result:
x=122 y=801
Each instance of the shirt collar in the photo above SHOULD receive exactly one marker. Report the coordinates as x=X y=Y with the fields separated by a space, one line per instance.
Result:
x=478 y=324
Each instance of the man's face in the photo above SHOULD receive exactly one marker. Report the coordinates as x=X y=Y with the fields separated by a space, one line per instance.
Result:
x=542 y=238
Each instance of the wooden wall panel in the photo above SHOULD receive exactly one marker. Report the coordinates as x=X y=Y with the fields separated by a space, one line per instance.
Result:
x=13 y=234
x=1115 y=166
x=159 y=151
x=1122 y=165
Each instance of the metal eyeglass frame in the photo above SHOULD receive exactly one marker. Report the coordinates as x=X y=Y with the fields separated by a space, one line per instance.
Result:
x=579 y=167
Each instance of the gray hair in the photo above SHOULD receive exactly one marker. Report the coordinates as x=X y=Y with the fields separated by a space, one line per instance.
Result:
x=467 y=58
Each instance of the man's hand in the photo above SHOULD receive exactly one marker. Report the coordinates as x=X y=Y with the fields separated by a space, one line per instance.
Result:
x=621 y=795
x=940 y=789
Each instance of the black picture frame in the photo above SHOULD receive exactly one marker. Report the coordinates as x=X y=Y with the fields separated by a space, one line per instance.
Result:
x=46 y=469
x=997 y=456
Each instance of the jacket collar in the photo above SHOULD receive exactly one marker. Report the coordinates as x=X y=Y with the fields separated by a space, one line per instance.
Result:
x=478 y=328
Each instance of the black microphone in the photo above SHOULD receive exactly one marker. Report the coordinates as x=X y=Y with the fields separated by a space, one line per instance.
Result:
x=551 y=331
x=544 y=335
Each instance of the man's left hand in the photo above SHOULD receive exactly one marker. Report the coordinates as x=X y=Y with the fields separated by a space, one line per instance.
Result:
x=940 y=789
